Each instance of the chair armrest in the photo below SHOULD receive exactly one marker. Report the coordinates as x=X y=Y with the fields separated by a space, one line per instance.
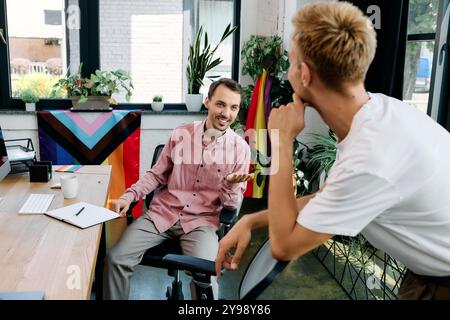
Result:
x=192 y=264
x=228 y=216
x=130 y=212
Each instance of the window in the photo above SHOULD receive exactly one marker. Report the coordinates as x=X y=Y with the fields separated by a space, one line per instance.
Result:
x=150 y=39
x=214 y=16
x=39 y=51
x=439 y=108
x=53 y=17
x=422 y=21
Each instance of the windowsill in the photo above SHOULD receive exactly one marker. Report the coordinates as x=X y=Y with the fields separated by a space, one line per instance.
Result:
x=174 y=112
x=144 y=112
x=12 y=111
x=18 y=107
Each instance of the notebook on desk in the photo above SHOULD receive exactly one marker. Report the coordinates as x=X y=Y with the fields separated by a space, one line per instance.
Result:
x=83 y=214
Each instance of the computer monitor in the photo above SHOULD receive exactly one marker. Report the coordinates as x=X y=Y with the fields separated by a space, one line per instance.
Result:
x=5 y=168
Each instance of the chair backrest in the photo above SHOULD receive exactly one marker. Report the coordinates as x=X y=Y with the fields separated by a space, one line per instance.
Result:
x=260 y=273
x=156 y=154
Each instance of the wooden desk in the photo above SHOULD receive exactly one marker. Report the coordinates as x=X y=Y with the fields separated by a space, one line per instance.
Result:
x=39 y=253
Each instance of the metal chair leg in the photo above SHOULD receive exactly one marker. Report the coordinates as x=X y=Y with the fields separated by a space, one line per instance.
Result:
x=176 y=291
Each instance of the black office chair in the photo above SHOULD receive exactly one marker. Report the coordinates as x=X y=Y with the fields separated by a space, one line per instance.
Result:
x=154 y=256
x=260 y=272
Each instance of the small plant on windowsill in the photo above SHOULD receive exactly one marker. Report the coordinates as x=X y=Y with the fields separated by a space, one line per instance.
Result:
x=98 y=88
x=157 y=104
x=30 y=99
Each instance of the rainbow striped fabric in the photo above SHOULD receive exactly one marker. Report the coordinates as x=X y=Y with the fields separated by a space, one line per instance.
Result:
x=257 y=119
x=94 y=138
x=69 y=168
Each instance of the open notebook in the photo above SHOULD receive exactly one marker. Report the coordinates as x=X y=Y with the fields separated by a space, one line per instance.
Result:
x=89 y=216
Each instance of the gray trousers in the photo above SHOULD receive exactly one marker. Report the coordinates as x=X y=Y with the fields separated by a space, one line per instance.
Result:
x=141 y=235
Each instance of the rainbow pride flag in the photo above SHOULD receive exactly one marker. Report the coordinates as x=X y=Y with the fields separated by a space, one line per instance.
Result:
x=69 y=168
x=257 y=119
x=94 y=138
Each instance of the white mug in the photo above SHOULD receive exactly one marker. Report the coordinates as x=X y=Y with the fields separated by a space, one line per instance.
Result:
x=69 y=185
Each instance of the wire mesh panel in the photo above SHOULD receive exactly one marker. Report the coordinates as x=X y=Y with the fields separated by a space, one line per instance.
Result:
x=362 y=271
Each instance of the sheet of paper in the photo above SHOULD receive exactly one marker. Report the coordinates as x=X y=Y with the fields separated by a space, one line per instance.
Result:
x=90 y=216
x=17 y=154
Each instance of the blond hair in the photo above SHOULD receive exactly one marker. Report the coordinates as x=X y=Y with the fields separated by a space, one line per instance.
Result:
x=337 y=39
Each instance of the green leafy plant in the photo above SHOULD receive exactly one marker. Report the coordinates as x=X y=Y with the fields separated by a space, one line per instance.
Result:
x=301 y=182
x=311 y=162
x=260 y=53
x=157 y=99
x=100 y=83
x=247 y=92
x=28 y=96
x=201 y=59
x=281 y=93
x=39 y=83
x=322 y=155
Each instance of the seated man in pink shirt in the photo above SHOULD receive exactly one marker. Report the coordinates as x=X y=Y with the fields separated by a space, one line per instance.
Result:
x=203 y=167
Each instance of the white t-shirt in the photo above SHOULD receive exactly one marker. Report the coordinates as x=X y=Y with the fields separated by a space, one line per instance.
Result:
x=390 y=182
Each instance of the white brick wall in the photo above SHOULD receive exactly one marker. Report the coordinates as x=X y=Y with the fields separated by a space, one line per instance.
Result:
x=146 y=39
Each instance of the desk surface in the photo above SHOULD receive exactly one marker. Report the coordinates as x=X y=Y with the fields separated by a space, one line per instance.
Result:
x=39 y=253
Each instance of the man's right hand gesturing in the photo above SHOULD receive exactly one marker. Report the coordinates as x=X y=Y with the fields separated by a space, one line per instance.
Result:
x=121 y=207
x=237 y=240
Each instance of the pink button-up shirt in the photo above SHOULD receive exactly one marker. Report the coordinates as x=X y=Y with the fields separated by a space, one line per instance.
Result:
x=191 y=176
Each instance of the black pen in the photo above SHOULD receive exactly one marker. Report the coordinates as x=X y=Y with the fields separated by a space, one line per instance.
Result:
x=79 y=211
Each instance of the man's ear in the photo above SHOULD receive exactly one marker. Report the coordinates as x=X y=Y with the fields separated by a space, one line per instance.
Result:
x=306 y=75
x=206 y=103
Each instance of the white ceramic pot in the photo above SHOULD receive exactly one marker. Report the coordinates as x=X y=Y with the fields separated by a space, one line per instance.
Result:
x=157 y=106
x=194 y=102
x=30 y=106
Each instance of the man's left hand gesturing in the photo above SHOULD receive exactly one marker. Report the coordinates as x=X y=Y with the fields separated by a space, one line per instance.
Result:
x=238 y=177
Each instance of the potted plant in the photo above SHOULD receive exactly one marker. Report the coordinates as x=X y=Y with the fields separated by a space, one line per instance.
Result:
x=97 y=89
x=321 y=156
x=200 y=61
x=258 y=53
x=30 y=99
x=299 y=179
x=157 y=104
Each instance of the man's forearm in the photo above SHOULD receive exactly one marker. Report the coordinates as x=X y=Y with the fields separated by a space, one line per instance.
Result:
x=261 y=218
x=231 y=194
x=283 y=209
x=256 y=220
x=303 y=201
x=148 y=183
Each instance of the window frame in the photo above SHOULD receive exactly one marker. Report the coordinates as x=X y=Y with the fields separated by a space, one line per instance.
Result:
x=47 y=16
x=442 y=113
x=90 y=56
x=416 y=37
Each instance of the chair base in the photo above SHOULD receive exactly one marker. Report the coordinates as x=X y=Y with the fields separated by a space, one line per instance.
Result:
x=175 y=292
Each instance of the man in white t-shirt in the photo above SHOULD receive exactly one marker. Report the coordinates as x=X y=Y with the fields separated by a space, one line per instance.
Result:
x=391 y=178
